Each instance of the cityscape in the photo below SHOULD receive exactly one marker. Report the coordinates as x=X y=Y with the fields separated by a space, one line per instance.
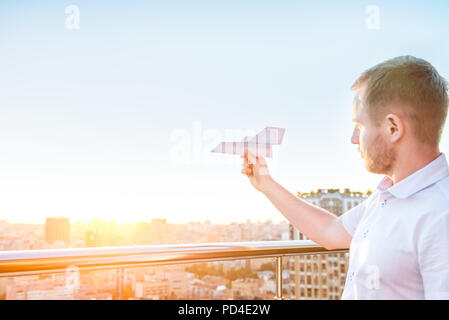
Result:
x=318 y=276
x=117 y=122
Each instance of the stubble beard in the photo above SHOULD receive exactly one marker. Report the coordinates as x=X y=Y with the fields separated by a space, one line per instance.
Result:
x=379 y=158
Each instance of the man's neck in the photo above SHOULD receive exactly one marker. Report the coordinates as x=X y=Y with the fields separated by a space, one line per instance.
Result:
x=411 y=161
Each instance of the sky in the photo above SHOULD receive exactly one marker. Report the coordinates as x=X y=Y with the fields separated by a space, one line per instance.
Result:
x=116 y=119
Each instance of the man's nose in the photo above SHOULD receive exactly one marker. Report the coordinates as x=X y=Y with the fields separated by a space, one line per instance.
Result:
x=355 y=136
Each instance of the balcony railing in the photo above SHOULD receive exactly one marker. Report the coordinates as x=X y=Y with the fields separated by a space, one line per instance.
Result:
x=32 y=262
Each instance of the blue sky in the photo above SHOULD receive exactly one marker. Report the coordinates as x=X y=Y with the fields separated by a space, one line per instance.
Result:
x=115 y=120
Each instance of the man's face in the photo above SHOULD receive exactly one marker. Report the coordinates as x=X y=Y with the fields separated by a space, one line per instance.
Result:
x=375 y=150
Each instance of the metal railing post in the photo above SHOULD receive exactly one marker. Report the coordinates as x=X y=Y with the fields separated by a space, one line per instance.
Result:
x=279 y=278
x=120 y=273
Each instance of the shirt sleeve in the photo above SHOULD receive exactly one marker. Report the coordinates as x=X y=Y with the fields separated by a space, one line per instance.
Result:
x=433 y=257
x=350 y=219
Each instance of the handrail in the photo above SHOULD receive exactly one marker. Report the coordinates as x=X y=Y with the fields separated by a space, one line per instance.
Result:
x=27 y=262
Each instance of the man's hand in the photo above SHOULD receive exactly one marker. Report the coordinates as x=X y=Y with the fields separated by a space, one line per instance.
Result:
x=256 y=169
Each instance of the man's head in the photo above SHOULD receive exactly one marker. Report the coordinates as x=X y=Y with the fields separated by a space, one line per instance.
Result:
x=399 y=103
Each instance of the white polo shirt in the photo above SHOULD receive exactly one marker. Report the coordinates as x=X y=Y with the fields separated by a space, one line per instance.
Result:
x=400 y=238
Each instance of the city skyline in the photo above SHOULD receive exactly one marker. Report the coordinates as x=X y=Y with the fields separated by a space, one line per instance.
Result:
x=234 y=279
x=74 y=220
x=116 y=119
x=60 y=232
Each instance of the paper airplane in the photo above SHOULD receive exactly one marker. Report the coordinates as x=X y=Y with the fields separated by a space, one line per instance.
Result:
x=259 y=145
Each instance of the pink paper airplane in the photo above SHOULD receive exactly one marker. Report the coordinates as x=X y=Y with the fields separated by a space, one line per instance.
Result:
x=259 y=145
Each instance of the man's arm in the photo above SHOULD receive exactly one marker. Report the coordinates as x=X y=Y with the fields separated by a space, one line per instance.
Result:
x=317 y=224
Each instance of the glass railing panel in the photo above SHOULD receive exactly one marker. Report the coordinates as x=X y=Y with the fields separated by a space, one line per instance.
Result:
x=315 y=276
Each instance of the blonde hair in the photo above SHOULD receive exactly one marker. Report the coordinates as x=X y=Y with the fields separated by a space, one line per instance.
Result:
x=417 y=86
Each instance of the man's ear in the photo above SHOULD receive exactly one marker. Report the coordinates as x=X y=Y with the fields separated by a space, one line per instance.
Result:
x=394 y=127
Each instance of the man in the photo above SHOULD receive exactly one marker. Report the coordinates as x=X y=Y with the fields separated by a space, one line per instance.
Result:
x=399 y=236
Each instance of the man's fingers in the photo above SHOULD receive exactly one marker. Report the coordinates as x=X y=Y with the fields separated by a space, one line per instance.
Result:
x=249 y=166
x=251 y=157
x=251 y=162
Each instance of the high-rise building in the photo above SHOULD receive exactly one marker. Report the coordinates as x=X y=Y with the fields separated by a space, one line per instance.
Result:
x=155 y=232
x=57 y=229
x=322 y=276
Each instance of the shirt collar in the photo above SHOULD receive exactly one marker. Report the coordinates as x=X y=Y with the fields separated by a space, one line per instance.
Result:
x=420 y=179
